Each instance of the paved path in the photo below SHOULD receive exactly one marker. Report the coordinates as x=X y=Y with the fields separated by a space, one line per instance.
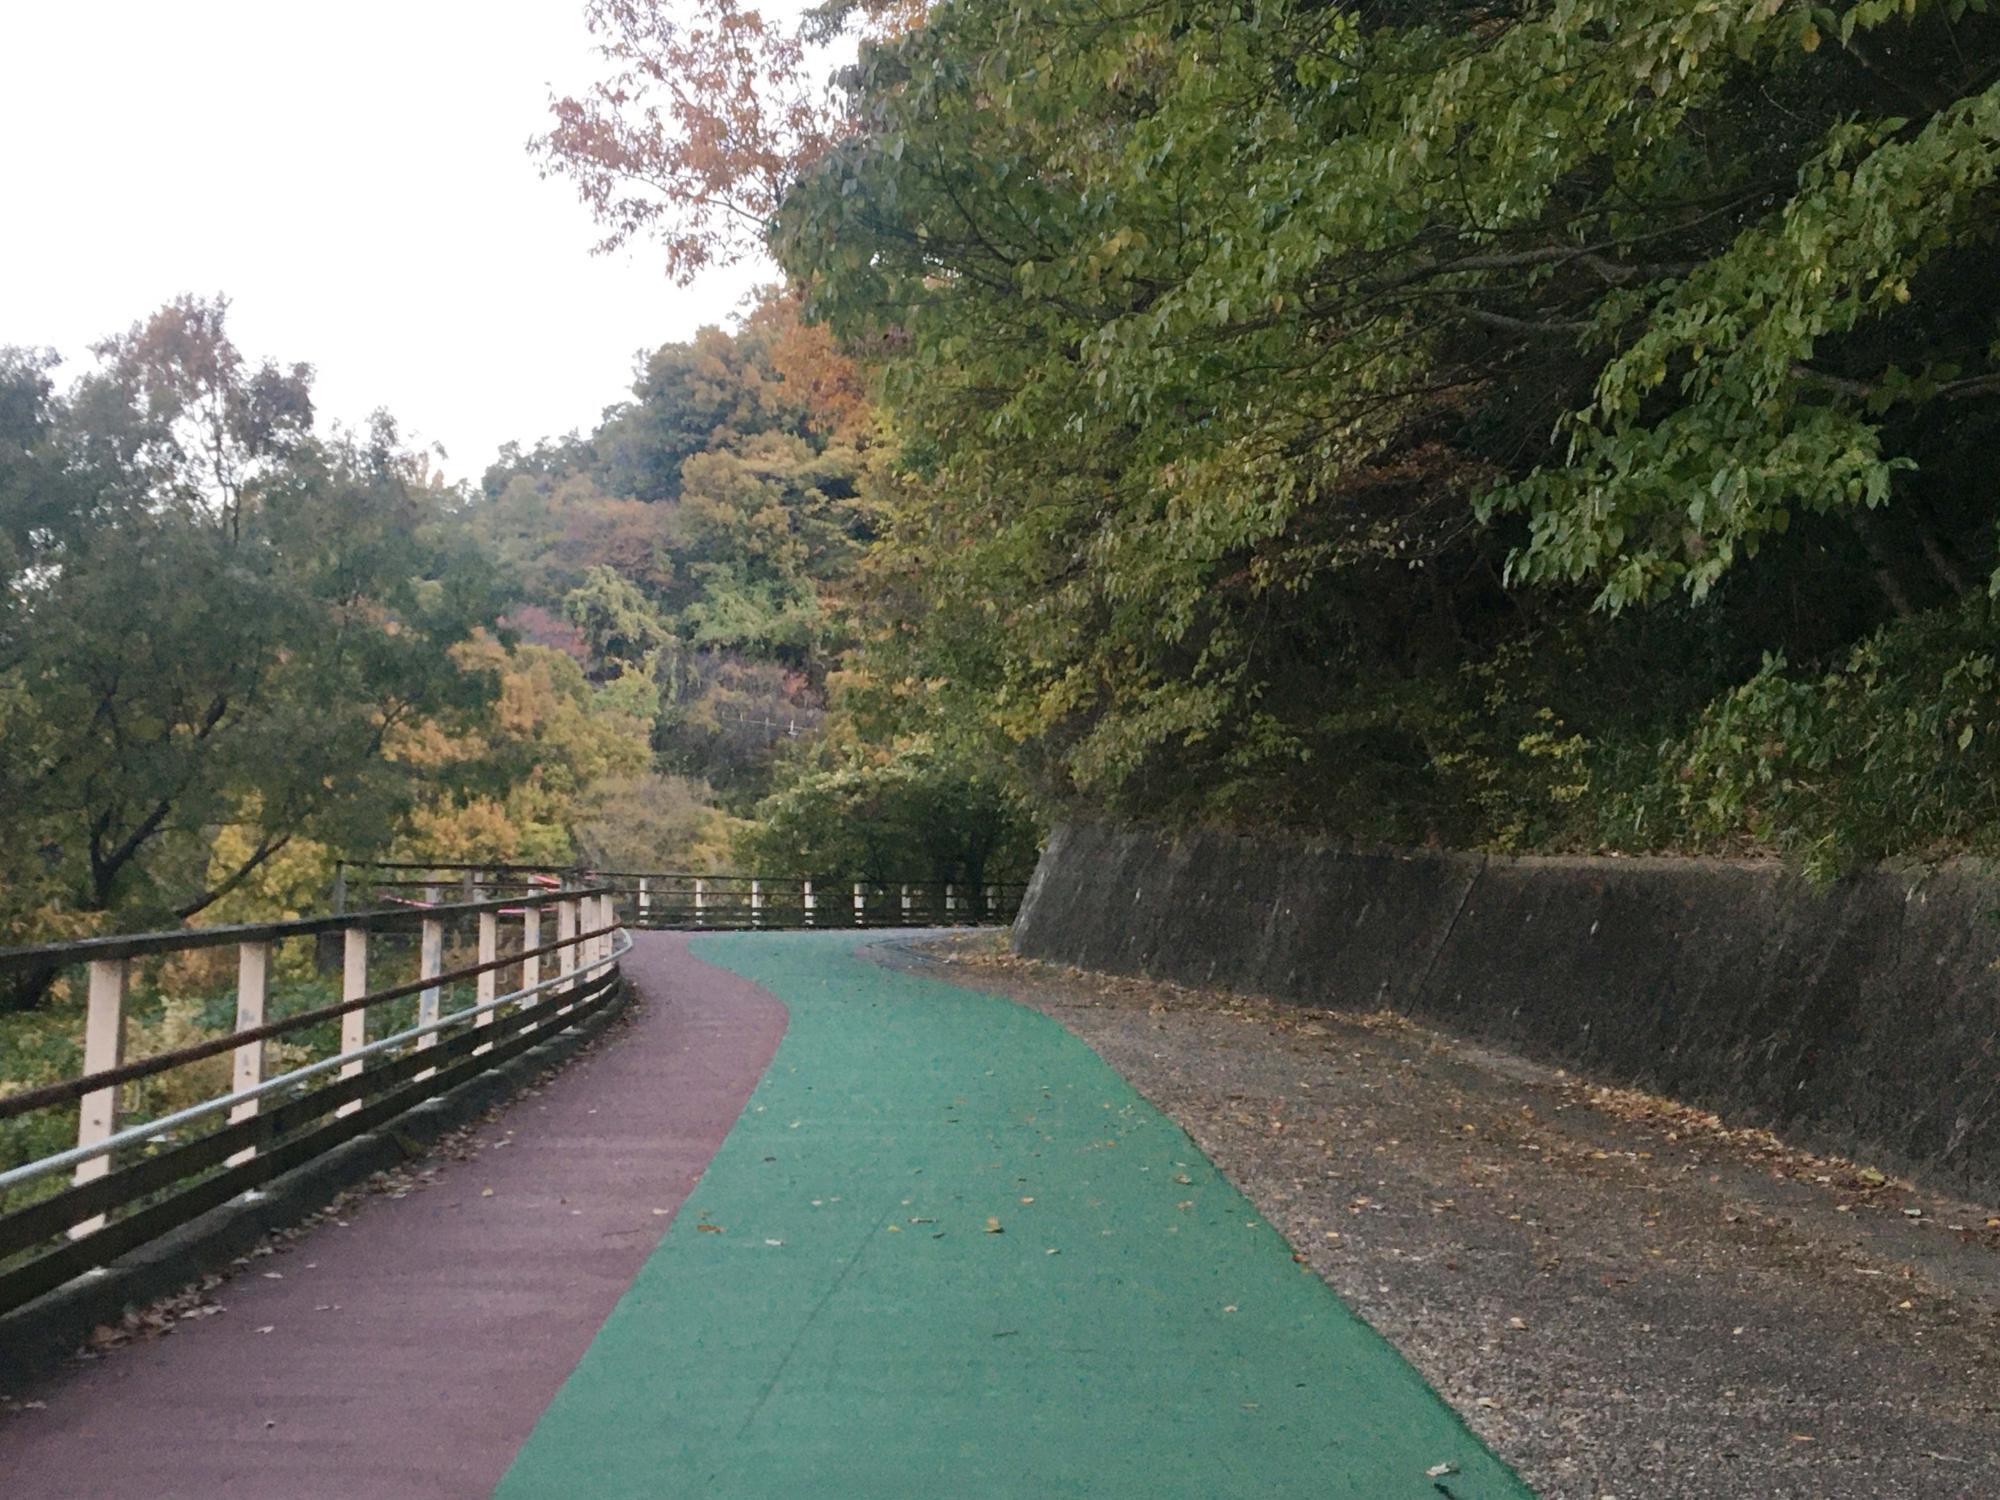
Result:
x=946 y=1251
x=409 y=1353
x=949 y=1252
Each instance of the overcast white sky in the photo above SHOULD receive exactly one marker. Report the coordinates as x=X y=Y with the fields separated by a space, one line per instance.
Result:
x=354 y=177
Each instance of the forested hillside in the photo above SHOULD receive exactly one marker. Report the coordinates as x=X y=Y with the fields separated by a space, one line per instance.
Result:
x=703 y=550
x=1560 y=425
x=236 y=647
x=1556 y=426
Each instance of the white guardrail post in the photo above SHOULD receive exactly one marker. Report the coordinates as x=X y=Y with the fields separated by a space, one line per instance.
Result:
x=430 y=964
x=103 y=1047
x=353 y=985
x=531 y=938
x=253 y=995
x=488 y=983
x=566 y=954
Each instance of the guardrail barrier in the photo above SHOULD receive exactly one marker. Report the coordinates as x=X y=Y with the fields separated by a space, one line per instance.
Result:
x=68 y=1211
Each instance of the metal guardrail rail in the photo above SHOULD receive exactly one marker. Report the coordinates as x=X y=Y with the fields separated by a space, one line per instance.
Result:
x=130 y=1184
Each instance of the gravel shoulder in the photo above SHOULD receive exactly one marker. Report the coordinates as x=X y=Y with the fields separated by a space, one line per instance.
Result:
x=1627 y=1298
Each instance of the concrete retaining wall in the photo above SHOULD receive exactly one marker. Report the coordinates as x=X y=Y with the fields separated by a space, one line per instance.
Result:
x=1862 y=1020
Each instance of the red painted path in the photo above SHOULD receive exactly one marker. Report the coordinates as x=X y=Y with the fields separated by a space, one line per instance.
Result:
x=410 y=1352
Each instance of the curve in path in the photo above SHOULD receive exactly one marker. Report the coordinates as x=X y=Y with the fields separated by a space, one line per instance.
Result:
x=947 y=1251
x=406 y=1353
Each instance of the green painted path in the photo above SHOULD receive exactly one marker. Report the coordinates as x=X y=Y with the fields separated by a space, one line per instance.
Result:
x=834 y=1315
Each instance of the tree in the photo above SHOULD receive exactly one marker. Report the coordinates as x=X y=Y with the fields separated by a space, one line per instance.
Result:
x=525 y=783
x=904 y=815
x=215 y=619
x=720 y=511
x=1211 y=339
x=621 y=630
x=648 y=822
x=694 y=134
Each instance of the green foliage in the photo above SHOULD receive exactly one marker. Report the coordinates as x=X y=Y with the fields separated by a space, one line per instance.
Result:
x=708 y=539
x=621 y=630
x=910 y=815
x=647 y=821
x=702 y=536
x=1889 y=752
x=215 y=620
x=523 y=786
x=1404 y=419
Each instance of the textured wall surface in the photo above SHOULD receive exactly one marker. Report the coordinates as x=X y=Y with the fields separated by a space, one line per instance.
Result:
x=1862 y=1020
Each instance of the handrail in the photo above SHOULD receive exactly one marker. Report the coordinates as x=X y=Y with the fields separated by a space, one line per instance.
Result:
x=132 y=1182
x=591 y=871
x=134 y=1134
x=75 y=1088
x=137 y=945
